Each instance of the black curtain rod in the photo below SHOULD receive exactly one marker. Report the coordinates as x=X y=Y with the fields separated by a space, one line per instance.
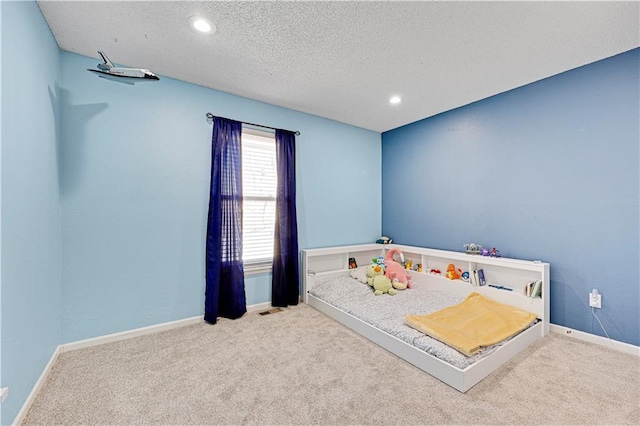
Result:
x=211 y=117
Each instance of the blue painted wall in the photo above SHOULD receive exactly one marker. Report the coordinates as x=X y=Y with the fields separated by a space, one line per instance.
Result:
x=135 y=180
x=31 y=223
x=548 y=171
x=106 y=186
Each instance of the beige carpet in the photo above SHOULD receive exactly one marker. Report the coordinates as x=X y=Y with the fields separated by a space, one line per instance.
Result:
x=300 y=367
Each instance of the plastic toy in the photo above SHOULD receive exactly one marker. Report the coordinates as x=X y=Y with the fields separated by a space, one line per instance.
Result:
x=473 y=248
x=130 y=76
x=493 y=252
x=435 y=271
x=384 y=240
x=465 y=276
x=408 y=265
x=396 y=273
x=378 y=261
x=453 y=273
x=381 y=284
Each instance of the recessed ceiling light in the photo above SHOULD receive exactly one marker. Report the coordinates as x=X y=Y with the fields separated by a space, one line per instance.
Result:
x=202 y=25
x=394 y=100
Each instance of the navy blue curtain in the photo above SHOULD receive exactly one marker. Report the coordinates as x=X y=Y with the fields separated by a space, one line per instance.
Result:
x=225 y=295
x=285 y=285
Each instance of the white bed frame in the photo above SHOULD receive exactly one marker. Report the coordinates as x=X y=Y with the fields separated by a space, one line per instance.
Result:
x=333 y=261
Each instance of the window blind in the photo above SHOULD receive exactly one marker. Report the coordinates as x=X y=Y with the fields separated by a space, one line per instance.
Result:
x=259 y=186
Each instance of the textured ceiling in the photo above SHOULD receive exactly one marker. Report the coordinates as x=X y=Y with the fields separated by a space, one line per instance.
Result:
x=343 y=60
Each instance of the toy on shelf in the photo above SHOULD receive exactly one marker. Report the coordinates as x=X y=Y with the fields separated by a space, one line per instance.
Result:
x=417 y=267
x=493 y=252
x=352 y=263
x=394 y=270
x=378 y=261
x=453 y=273
x=384 y=240
x=465 y=276
x=435 y=271
x=408 y=265
x=473 y=248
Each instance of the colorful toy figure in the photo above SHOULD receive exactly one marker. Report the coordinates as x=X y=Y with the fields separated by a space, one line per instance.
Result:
x=493 y=252
x=378 y=261
x=473 y=248
x=453 y=273
x=408 y=264
x=419 y=267
x=465 y=276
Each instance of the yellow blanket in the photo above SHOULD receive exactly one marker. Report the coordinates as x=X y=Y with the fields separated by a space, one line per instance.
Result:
x=475 y=323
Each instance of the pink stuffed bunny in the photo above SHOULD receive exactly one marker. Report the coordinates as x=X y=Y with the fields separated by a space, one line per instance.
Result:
x=395 y=272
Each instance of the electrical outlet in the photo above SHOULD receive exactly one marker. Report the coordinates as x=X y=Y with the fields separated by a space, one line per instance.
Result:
x=595 y=299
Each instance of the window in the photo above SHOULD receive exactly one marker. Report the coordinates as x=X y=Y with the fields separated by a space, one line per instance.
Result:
x=259 y=186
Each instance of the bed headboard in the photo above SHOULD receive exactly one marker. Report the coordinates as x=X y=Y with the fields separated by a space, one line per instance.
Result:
x=506 y=279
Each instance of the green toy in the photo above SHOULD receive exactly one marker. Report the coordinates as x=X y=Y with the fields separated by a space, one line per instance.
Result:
x=380 y=283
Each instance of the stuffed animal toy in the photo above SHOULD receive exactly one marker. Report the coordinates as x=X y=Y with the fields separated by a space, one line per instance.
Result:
x=373 y=270
x=453 y=273
x=380 y=283
x=395 y=272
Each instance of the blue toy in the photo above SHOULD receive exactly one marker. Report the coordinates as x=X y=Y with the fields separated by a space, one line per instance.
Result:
x=378 y=261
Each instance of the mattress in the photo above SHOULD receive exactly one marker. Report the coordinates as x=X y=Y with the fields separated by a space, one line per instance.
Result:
x=387 y=313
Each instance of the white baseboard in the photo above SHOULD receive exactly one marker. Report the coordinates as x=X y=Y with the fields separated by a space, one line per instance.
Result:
x=258 y=307
x=36 y=388
x=598 y=340
x=4 y=392
x=129 y=334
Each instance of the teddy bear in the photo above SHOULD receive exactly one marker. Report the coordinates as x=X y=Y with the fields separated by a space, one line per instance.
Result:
x=395 y=272
x=380 y=283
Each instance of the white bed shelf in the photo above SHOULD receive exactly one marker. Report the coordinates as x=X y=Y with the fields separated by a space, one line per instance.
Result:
x=512 y=273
